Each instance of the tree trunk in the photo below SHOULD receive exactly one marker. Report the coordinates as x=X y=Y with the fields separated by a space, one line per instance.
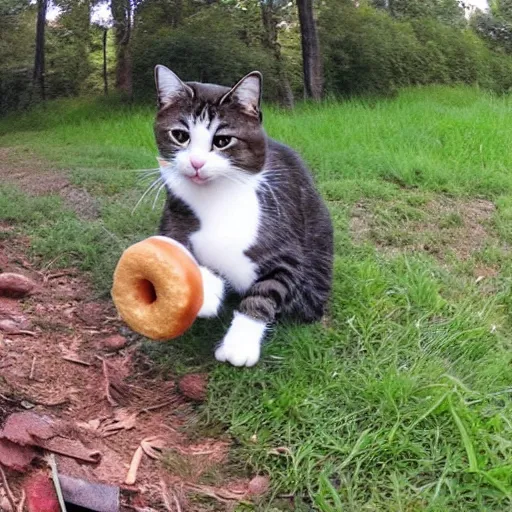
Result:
x=105 y=75
x=122 y=15
x=38 y=76
x=285 y=94
x=311 y=59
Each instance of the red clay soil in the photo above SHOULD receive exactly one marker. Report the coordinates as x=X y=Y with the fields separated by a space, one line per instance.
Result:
x=58 y=359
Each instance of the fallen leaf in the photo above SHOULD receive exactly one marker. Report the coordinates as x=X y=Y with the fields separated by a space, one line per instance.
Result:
x=123 y=420
x=153 y=446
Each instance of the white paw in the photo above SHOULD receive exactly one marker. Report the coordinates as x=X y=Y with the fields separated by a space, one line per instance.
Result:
x=213 y=290
x=238 y=352
x=242 y=343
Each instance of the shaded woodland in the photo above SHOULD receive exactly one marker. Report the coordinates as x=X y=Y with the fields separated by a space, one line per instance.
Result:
x=305 y=48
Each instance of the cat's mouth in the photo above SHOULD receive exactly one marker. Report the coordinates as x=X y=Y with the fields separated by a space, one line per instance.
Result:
x=198 y=180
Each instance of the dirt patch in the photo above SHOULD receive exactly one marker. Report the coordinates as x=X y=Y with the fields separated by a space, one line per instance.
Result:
x=438 y=227
x=36 y=177
x=59 y=366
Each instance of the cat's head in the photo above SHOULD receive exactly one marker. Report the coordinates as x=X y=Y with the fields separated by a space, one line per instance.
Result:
x=208 y=132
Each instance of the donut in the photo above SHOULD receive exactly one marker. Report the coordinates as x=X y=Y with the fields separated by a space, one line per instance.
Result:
x=158 y=288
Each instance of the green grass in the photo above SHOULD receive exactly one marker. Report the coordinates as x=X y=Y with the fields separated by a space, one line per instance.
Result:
x=401 y=400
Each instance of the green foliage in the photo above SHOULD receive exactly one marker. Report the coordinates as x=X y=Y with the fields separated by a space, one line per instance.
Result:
x=366 y=50
x=448 y=12
x=494 y=29
x=221 y=54
x=67 y=50
x=502 y=9
x=17 y=43
x=370 y=46
x=93 y=83
x=67 y=54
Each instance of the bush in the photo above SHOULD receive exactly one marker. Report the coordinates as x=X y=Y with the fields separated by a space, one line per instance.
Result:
x=367 y=51
x=15 y=89
x=208 y=48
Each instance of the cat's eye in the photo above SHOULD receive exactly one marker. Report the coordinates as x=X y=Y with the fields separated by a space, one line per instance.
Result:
x=180 y=136
x=221 y=141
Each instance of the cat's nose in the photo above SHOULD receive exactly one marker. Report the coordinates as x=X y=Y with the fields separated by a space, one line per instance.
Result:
x=197 y=162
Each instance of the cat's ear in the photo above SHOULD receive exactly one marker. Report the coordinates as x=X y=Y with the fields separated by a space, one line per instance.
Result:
x=169 y=86
x=247 y=92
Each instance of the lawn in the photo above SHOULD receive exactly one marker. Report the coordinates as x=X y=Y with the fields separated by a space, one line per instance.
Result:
x=401 y=400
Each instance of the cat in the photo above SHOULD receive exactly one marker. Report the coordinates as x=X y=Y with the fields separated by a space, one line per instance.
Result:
x=245 y=206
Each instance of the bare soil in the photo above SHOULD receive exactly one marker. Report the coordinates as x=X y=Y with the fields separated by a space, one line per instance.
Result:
x=36 y=177
x=456 y=226
x=57 y=359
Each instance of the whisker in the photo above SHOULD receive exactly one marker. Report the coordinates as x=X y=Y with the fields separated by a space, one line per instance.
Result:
x=157 y=194
x=148 y=175
x=148 y=190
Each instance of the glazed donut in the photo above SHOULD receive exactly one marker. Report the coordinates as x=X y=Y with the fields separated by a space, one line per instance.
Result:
x=158 y=288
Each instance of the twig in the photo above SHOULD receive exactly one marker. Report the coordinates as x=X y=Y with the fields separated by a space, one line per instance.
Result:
x=10 y=495
x=56 y=483
x=111 y=401
x=56 y=275
x=50 y=263
x=75 y=360
x=157 y=406
x=7 y=399
x=21 y=506
x=131 y=477
x=165 y=497
x=222 y=495
x=32 y=368
x=21 y=332
x=61 y=401
x=176 y=501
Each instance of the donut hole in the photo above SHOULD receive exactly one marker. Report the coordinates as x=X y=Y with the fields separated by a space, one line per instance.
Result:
x=146 y=291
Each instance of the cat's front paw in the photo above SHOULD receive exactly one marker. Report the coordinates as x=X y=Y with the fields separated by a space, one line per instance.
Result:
x=238 y=353
x=242 y=343
x=213 y=291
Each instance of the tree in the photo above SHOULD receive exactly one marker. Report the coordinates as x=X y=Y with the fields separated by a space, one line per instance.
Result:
x=122 y=14
x=105 y=72
x=495 y=26
x=17 y=35
x=38 y=77
x=450 y=12
x=502 y=9
x=311 y=58
x=271 y=42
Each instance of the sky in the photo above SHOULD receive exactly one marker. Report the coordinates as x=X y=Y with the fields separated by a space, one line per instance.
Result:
x=481 y=4
x=101 y=13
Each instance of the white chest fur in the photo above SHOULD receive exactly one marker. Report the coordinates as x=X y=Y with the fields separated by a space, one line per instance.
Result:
x=229 y=216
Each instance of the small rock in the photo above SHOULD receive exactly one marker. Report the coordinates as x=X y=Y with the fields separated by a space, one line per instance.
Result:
x=259 y=485
x=15 y=285
x=5 y=505
x=114 y=342
x=8 y=325
x=194 y=386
